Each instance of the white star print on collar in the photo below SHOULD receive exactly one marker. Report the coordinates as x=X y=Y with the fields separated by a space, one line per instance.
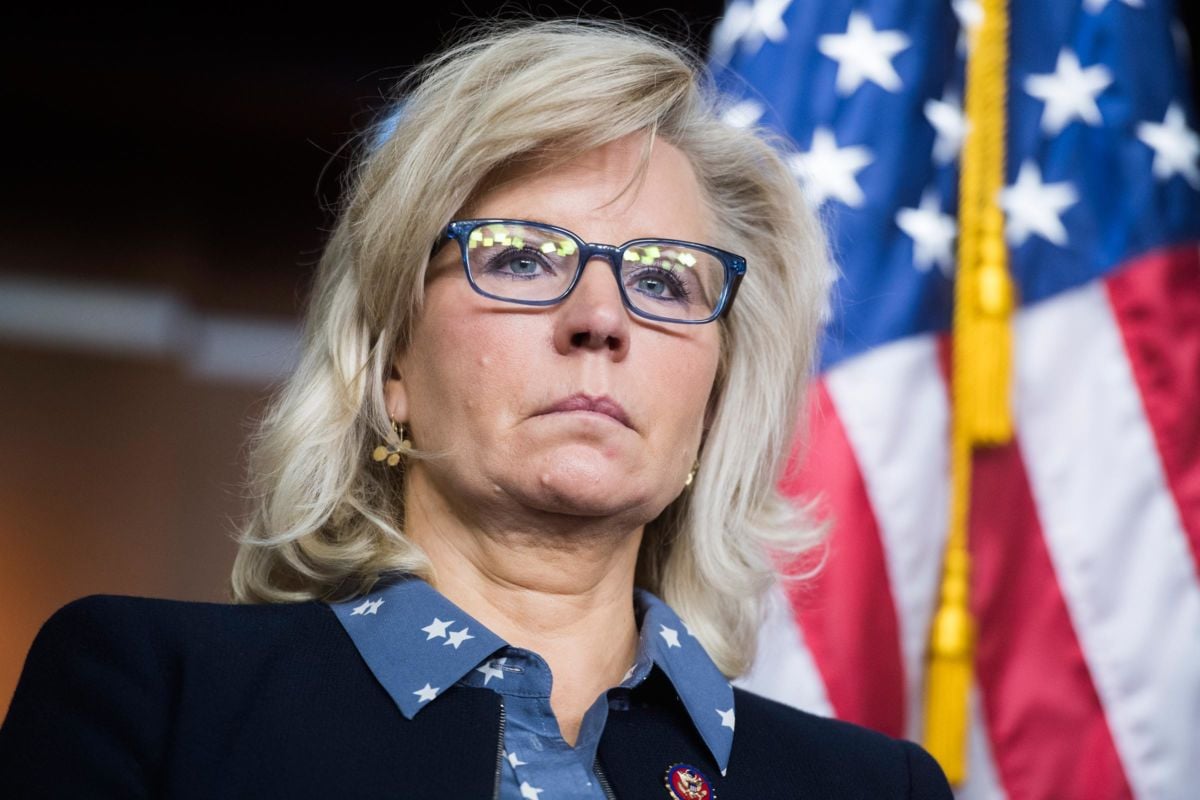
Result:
x=368 y=607
x=404 y=644
x=530 y=792
x=436 y=629
x=492 y=670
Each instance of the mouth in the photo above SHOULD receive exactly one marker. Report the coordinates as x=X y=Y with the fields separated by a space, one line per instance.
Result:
x=597 y=405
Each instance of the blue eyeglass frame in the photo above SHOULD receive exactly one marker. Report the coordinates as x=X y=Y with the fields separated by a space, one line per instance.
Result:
x=735 y=266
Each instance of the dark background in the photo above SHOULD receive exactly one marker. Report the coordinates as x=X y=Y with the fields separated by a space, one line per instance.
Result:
x=172 y=173
x=228 y=132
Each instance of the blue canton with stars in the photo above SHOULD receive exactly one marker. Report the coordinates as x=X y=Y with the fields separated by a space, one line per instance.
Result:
x=418 y=643
x=1102 y=160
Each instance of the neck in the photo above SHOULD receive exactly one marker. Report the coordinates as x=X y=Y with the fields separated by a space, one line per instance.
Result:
x=562 y=589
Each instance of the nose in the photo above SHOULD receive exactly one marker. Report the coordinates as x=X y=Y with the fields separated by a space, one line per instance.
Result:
x=593 y=317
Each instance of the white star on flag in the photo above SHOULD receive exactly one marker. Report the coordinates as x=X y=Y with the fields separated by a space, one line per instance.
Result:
x=530 y=792
x=670 y=636
x=726 y=718
x=864 y=54
x=970 y=17
x=749 y=25
x=1069 y=92
x=743 y=114
x=492 y=669
x=367 y=607
x=1175 y=146
x=1034 y=207
x=830 y=171
x=514 y=760
x=947 y=118
x=426 y=693
x=932 y=233
x=457 y=637
x=1096 y=6
x=436 y=629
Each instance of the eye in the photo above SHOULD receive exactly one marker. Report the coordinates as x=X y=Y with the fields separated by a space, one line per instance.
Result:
x=523 y=264
x=659 y=284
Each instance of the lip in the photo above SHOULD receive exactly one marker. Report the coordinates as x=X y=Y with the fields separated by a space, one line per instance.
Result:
x=585 y=402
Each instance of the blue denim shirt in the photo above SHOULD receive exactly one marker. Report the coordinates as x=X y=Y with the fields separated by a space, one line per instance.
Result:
x=418 y=643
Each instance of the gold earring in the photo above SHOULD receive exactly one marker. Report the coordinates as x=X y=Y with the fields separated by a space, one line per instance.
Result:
x=390 y=452
x=691 y=476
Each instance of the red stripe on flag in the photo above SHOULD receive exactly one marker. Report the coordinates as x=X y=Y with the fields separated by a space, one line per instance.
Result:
x=1041 y=705
x=846 y=613
x=1156 y=300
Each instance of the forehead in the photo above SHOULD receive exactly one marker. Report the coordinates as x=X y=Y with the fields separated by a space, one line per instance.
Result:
x=604 y=195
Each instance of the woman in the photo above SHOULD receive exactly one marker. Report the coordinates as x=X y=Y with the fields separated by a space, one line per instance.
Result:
x=531 y=434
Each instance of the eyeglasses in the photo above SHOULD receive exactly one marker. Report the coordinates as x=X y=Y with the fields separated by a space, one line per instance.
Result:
x=539 y=265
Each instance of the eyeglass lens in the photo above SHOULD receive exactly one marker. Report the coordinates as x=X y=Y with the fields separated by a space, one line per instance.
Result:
x=530 y=263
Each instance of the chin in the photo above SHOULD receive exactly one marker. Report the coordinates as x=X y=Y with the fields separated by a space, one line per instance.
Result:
x=600 y=497
x=583 y=480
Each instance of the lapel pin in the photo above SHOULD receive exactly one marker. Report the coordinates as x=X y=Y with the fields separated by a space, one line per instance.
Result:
x=685 y=782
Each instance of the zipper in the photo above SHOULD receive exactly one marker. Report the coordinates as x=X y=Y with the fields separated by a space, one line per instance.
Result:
x=499 y=752
x=600 y=776
x=603 y=779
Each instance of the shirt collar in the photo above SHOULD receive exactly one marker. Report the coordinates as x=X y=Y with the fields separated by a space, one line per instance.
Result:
x=706 y=694
x=416 y=641
x=418 y=644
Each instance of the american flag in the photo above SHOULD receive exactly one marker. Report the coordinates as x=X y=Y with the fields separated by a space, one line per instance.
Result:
x=1084 y=530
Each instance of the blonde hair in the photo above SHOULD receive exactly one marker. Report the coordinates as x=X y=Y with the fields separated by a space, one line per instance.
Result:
x=327 y=520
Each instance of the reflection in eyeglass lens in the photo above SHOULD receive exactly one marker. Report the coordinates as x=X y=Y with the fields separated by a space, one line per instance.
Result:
x=534 y=264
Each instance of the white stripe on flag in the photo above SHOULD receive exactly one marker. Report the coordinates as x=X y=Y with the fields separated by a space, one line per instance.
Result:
x=783 y=668
x=1114 y=535
x=893 y=404
x=982 y=781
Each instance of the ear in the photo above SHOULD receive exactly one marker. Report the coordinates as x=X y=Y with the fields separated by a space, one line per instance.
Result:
x=395 y=393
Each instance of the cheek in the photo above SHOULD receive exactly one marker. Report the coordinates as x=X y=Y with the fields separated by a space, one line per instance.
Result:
x=683 y=380
x=470 y=367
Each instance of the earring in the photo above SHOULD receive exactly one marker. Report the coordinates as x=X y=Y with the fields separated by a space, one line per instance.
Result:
x=390 y=452
x=691 y=476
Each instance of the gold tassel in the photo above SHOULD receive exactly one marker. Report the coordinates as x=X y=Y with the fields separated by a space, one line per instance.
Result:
x=981 y=381
x=952 y=646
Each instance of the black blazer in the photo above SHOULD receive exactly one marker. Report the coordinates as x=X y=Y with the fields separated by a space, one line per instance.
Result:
x=131 y=697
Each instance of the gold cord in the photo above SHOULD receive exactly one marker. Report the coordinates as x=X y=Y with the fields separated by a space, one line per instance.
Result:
x=980 y=381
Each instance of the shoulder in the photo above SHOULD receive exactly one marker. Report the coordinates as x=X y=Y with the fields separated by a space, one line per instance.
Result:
x=116 y=689
x=150 y=642
x=118 y=617
x=838 y=752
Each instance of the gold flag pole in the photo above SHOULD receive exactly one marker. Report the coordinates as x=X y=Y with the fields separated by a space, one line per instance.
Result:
x=980 y=381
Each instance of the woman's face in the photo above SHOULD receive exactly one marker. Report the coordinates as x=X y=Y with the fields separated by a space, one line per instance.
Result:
x=480 y=374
